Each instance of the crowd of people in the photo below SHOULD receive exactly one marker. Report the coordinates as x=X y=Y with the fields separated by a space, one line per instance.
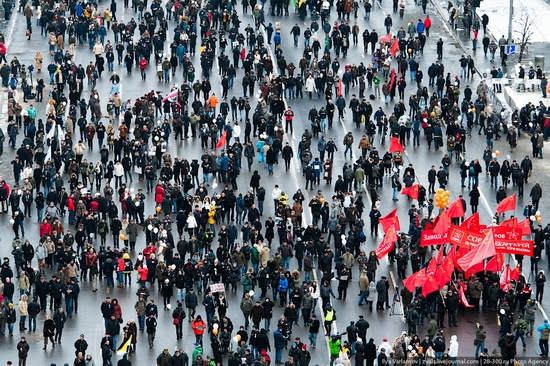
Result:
x=197 y=235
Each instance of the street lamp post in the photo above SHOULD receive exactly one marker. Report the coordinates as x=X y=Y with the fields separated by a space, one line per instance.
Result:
x=510 y=16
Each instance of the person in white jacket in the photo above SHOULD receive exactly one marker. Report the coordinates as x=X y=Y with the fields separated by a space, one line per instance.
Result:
x=310 y=86
x=236 y=131
x=453 y=349
x=386 y=346
x=191 y=224
x=118 y=172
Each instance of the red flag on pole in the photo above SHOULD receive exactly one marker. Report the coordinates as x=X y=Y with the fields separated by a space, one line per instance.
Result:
x=395 y=145
x=462 y=298
x=430 y=284
x=394 y=47
x=511 y=222
x=448 y=264
x=389 y=220
x=443 y=223
x=456 y=209
x=514 y=274
x=505 y=279
x=525 y=227
x=471 y=222
x=475 y=256
x=415 y=280
x=411 y=191
x=387 y=244
x=385 y=39
x=507 y=204
x=496 y=263
x=473 y=270
x=340 y=87
x=223 y=140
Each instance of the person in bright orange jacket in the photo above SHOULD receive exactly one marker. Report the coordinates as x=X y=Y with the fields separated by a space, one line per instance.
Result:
x=198 y=326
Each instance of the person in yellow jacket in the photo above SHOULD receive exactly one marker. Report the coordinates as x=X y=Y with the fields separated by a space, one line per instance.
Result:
x=212 y=218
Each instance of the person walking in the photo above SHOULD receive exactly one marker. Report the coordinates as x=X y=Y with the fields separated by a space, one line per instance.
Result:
x=59 y=320
x=544 y=332
x=178 y=315
x=480 y=339
x=151 y=327
x=314 y=326
x=106 y=353
x=49 y=331
x=23 y=351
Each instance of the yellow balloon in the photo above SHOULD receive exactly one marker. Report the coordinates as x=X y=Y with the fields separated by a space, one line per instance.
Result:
x=238 y=337
x=497 y=153
x=215 y=331
x=322 y=200
x=121 y=236
x=410 y=50
x=539 y=219
x=433 y=114
x=157 y=209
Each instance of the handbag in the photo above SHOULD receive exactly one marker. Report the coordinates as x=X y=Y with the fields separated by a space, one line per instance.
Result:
x=475 y=342
x=176 y=321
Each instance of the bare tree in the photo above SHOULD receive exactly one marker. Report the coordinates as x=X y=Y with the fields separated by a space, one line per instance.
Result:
x=524 y=34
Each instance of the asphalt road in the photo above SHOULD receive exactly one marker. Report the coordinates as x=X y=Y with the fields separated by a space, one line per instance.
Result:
x=88 y=319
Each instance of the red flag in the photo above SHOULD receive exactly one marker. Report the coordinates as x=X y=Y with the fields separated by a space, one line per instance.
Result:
x=443 y=223
x=505 y=279
x=223 y=140
x=472 y=271
x=411 y=191
x=507 y=204
x=471 y=222
x=340 y=87
x=439 y=258
x=514 y=274
x=395 y=145
x=389 y=220
x=448 y=264
x=496 y=263
x=430 y=284
x=394 y=47
x=511 y=222
x=463 y=298
x=525 y=227
x=475 y=256
x=385 y=39
x=415 y=280
x=387 y=244
x=442 y=278
x=456 y=209
x=461 y=252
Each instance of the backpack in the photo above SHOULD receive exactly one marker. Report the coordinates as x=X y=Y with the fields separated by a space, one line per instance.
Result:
x=362 y=237
x=471 y=171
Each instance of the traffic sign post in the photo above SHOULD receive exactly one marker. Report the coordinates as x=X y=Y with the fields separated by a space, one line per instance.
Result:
x=510 y=49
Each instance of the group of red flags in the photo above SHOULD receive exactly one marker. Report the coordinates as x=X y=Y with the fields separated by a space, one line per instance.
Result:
x=470 y=245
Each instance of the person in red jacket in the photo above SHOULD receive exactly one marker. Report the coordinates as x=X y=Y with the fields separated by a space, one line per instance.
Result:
x=198 y=326
x=159 y=194
x=120 y=271
x=71 y=207
x=427 y=23
x=45 y=228
x=143 y=271
x=142 y=66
